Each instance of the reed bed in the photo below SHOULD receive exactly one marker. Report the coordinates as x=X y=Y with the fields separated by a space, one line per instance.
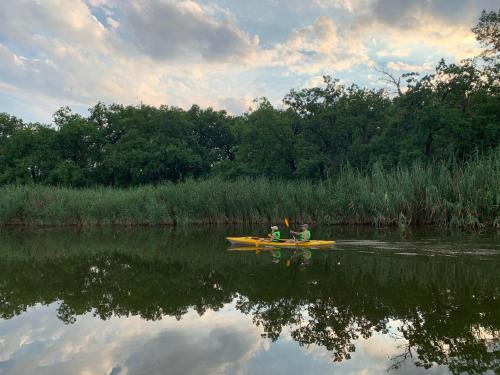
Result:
x=465 y=195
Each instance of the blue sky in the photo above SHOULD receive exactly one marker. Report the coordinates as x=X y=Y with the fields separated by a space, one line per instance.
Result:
x=220 y=53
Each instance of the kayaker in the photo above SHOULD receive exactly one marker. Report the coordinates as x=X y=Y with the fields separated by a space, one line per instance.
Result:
x=307 y=255
x=305 y=234
x=275 y=234
x=276 y=254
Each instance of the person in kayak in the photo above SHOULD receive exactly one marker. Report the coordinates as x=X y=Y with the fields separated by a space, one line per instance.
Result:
x=275 y=235
x=304 y=235
x=276 y=255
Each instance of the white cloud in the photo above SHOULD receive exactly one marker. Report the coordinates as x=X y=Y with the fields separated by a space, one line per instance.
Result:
x=320 y=37
x=189 y=33
x=236 y=105
x=112 y=22
x=315 y=81
x=79 y=69
x=317 y=48
x=26 y=22
x=410 y=28
x=36 y=342
x=400 y=52
x=401 y=66
x=76 y=52
x=350 y=5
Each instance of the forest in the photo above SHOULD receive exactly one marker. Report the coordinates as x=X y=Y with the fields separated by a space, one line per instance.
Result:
x=448 y=116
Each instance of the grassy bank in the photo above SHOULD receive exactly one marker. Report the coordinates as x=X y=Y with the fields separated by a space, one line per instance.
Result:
x=466 y=195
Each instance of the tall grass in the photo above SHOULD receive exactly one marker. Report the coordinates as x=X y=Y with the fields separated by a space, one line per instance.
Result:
x=465 y=195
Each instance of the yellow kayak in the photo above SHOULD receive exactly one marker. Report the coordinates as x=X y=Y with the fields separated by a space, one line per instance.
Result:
x=267 y=248
x=256 y=241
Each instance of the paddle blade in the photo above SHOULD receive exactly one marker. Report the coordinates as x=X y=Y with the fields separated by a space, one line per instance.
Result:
x=286 y=222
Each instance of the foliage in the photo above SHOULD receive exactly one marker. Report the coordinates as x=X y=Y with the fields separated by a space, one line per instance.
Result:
x=487 y=31
x=446 y=194
x=451 y=114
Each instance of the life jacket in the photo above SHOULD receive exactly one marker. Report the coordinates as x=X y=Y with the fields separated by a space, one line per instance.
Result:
x=308 y=236
x=277 y=236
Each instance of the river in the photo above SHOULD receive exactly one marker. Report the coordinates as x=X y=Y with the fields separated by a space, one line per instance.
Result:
x=178 y=301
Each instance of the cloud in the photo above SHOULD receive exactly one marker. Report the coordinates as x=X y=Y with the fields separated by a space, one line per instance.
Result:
x=408 y=14
x=77 y=52
x=316 y=48
x=411 y=30
x=403 y=14
x=219 y=342
x=159 y=52
x=315 y=81
x=28 y=22
x=437 y=27
x=401 y=66
x=182 y=29
x=394 y=52
x=36 y=342
x=222 y=350
x=320 y=37
x=350 y=5
x=62 y=51
x=236 y=105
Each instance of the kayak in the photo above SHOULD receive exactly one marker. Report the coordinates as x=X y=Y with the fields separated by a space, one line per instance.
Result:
x=270 y=248
x=256 y=241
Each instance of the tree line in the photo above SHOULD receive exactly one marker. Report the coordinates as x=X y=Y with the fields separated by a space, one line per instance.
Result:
x=450 y=114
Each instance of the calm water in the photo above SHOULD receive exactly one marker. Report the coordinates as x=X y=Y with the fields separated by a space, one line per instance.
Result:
x=163 y=301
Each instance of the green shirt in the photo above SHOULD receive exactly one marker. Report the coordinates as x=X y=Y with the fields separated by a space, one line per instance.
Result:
x=277 y=236
x=308 y=235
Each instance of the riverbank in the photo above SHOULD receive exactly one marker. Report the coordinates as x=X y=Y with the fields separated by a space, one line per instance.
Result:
x=460 y=196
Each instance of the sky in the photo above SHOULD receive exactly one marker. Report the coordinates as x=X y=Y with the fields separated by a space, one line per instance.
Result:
x=217 y=53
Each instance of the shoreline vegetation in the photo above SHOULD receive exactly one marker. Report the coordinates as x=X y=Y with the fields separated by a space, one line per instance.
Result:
x=424 y=150
x=444 y=194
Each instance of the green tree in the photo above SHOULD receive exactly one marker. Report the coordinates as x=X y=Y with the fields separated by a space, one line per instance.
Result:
x=265 y=142
x=487 y=32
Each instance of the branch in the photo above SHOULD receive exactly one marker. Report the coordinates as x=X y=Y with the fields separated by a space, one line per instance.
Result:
x=391 y=80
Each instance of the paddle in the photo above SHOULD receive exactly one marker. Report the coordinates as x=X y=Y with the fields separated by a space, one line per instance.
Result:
x=287 y=223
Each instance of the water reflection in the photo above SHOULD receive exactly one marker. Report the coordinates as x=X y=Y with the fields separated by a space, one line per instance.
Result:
x=437 y=312
x=38 y=343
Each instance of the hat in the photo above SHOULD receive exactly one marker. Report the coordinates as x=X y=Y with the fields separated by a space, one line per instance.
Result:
x=274 y=227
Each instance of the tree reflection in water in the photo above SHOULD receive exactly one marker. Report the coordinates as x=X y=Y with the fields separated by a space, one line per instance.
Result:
x=446 y=308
